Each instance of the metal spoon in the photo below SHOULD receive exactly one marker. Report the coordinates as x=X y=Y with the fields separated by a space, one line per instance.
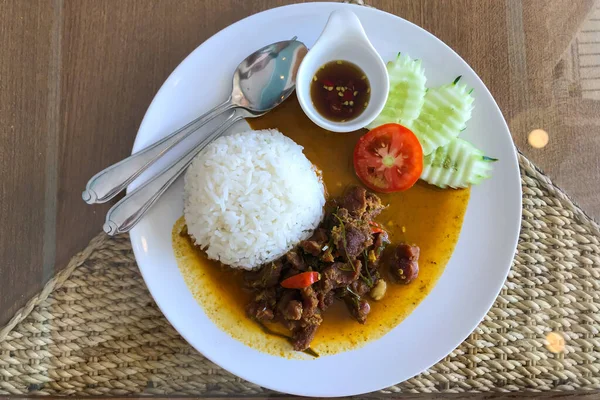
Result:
x=278 y=82
x=261 y=82
x=128 y=211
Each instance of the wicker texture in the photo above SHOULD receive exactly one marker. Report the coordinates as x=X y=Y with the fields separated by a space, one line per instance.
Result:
x=94 y=329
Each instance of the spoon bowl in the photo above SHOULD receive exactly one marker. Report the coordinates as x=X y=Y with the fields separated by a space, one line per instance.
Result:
x=268 y=76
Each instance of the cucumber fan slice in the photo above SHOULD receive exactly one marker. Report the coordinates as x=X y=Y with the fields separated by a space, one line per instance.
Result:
x=444 y=115
x=407 y=92
x=459 y=164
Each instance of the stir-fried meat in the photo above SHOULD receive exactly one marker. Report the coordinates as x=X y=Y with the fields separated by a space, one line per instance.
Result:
x=311 y=247
x=381 y=241
x=347 y=252
x=265 y=277
x=292 y=310
x=325 y=299
x=404 y=263
x=361 y=204
x=263 y=306
x=314 y=244
x=304 y=335
x=360 y=287
x=288 y=307
x=340 y=275
x=358 y=307
x=374 y=206
x=327 y=256
x=295 y=260
x=259 y=311
x=310 y=302
x=355 y=201
x=352 y=239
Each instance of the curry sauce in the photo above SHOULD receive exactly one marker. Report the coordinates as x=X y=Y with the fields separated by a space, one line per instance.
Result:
x=424 y=215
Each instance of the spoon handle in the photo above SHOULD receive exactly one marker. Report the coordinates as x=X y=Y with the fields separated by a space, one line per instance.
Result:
x=107 y=183
x=127 y=213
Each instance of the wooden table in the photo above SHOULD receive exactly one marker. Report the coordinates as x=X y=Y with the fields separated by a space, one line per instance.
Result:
x=76 y=77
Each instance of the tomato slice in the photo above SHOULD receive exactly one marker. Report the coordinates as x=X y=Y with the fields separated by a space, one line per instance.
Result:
x=299 y=281
x=388 y=158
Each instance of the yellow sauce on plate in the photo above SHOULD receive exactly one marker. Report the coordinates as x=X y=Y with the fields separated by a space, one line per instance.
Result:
x=424 y=215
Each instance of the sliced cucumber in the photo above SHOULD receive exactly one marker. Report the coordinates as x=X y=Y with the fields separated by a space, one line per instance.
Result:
x=407 y=92
x=444 y=115
x=459 y=164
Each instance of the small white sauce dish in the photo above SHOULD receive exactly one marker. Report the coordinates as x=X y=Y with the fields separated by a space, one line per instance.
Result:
x=344 y=38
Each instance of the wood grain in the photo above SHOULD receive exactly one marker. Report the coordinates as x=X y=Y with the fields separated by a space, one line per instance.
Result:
x=77 y=76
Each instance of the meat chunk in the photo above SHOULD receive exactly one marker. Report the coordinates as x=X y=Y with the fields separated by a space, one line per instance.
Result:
x=311 y=247
x=379 y=244
x=355 y=201
x=357 y=240
x=358 y=307
x=295 y=260
x=293 y=310
x=263 y=306
x=374 y=206
x=260 y=311
x=265 y=277
x=325 y=299
x=304 y=332
x=331 y=277
x=339 y=275
x=352 y=239
x=327 y=255
x=288 y=307
x=310 y=302
x=404 y=263
x=303 y=336
x=360 y=287
x=314 y=244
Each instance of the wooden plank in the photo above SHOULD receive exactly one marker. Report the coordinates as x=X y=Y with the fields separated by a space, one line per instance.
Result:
x=477 y=31
x=26 y=148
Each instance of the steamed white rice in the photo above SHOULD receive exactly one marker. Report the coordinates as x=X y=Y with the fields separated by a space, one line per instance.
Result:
x=251 y=197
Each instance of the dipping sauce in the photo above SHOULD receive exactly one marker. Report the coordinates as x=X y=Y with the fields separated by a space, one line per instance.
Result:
x=340 y=91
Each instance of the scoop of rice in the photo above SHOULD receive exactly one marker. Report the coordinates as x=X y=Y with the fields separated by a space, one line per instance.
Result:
x=251 y=197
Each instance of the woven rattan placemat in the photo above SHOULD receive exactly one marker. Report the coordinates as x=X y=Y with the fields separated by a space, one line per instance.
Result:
x=95 y=329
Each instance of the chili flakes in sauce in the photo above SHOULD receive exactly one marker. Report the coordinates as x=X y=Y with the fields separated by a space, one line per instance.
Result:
x=340 y=91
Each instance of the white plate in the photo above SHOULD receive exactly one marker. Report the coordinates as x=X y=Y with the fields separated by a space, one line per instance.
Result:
x=464 y=293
